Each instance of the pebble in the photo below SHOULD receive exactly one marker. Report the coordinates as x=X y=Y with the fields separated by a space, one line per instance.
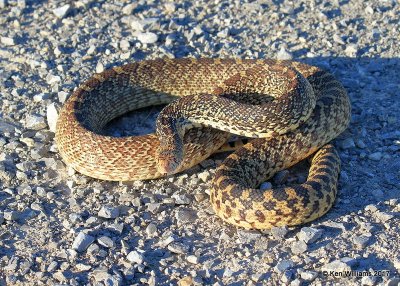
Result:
x=309 y=234
x=82 y=242
x=383 y=216
x=108 y=212
x=246 y=235
x=151 y=229
x=347 y=143
x=147 y=38
x=181 y=199
x=52 y=79
x=204 y=176
x=369 y=10
x=351 y=50
x=99 y=67
x=298 y=247
x=52 y=116
x=369 y=280
x=184 y=216
x=376 y=156
x=128 y=9
x=11 y=215
x=35 y=122
x=192 y=259
x=178 y=248
x=105 y=241
x=336 y=265
x=283 y=265
x=283 y=54
x=61 y=12
x=265 y=186
x=186 y=281
x=7 y=41
x=308 y=275
x=135 y=257
x=361 y=241
x=62 y=96
x=1 y=218
x=279 y=233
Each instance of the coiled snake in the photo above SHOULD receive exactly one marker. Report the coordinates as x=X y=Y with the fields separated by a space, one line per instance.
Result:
x=311 y=108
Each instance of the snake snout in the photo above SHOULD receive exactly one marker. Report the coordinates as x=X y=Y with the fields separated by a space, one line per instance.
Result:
x=167 y=163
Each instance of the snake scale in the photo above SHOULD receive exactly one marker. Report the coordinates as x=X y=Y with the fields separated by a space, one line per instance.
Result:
x=310 y=108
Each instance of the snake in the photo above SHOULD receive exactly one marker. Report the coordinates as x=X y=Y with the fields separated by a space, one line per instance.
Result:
x=302 y=107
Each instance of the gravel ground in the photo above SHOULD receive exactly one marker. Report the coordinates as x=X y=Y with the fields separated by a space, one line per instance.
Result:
x=60 y=227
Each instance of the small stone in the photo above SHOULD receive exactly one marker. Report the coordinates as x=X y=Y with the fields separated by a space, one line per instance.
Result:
x=184 y=216
x=283 y=54
x=193 y=259
x=361 y=241
x=62 y=96
x=52 y=79
x=360 y=144
x=178 y=248
x=347 y=143
x=287 y=276
x=383 y=216
x=105 y=241
x=83 y=267
x=299 y=247
x=309 y=234
x=393 y=282
x=376 y=156
x=52 y=116
x=52 y=266
x=99 y=67
x=351 y=50
x=204 y=176
x=108 y=212
x=309 y=275
x=338 y=39
x=283 y=265
x=147 y=38
x=170 y=7
x=7 y=41
x=59 y=276
x=35 y=122
x=369 y=280
x=151 y=229
x=1 y=218
x=265 y=186
x=135 y=257
x=128 y=9
x=371 y=208
x=369 y=10
x=62 y=11
x=186 y=281
x=336 y=265
x=279 y=232
x=82 y=242
x=124 y=45
x=396 y=263
x=247 y=235
x=181 y=199
x=11 y=215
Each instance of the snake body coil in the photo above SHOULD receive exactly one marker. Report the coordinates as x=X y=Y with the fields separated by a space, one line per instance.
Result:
x=234 y=198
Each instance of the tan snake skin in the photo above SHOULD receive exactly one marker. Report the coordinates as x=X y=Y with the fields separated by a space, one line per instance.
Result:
x=234 y=197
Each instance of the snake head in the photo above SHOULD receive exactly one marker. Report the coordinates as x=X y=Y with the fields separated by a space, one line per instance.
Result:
x=169 y=159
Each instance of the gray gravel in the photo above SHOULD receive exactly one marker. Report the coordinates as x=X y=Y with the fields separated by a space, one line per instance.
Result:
x=58 y=227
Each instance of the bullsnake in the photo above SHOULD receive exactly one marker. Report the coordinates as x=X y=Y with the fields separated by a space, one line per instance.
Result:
x=319 y=117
